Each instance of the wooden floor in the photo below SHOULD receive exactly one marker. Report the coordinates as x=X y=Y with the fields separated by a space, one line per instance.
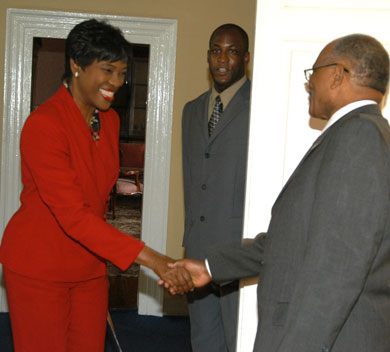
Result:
x=123 y=292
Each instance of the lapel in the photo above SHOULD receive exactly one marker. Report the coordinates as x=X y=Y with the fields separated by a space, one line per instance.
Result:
x=83 y=148
x=372 y=109
x=316 y=143
x=202 y=110
x=231 y=112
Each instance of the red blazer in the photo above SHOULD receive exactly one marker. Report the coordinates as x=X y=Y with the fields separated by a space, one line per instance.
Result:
x=59 y=232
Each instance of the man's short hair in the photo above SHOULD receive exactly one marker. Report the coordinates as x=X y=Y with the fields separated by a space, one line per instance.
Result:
x=368 y=58
x=229 y=26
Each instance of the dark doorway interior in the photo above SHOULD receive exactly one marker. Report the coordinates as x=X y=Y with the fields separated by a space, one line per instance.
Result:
x=130 y=101
x=47 y=69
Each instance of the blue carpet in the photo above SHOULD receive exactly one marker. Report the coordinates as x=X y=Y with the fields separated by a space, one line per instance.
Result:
x=6 y=344
x=136 y=333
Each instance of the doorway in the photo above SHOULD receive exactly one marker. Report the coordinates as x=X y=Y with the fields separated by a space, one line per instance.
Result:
x=160 y=34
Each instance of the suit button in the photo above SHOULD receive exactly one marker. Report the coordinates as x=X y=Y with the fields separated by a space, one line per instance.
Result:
x=261 y=262
x=202 y=218
x=207 y=155
x=204 y=186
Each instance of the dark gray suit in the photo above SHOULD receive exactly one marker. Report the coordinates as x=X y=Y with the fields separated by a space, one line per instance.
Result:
x=214 y=187
x=324 y=263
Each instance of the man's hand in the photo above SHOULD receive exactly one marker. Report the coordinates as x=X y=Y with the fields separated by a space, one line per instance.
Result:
x=180 y=278
x=197 y=269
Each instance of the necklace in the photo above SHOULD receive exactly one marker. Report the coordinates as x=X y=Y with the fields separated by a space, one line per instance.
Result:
x=95 y=125
x=95 y=122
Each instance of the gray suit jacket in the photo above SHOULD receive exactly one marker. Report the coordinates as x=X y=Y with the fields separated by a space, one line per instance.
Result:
x=214 y=171
x=324 y=263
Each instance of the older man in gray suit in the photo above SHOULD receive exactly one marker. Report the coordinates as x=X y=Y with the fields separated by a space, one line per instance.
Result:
x=324 y=263
x=215 y=136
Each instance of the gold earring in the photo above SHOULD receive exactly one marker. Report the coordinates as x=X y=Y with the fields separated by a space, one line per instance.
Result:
x=76 y=74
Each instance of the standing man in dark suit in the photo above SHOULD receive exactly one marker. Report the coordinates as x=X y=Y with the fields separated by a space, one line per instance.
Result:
x=215 y=136
x=324 y=263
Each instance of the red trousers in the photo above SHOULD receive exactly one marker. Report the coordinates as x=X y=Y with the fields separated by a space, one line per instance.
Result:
x=57 y=316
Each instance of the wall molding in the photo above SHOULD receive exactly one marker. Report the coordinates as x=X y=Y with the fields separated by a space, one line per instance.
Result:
x=349 y=5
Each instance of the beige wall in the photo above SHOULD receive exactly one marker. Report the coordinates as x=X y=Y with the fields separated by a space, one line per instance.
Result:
x=196 y=20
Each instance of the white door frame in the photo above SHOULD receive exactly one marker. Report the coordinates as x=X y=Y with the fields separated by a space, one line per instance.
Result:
x=22 y=26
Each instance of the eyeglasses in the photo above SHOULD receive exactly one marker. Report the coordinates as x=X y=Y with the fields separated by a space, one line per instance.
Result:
x=308 y=73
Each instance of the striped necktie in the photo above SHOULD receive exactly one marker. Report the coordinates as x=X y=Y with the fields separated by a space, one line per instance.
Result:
x=216 y=114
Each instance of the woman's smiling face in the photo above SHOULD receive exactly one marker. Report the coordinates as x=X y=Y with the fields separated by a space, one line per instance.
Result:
x=95 y=86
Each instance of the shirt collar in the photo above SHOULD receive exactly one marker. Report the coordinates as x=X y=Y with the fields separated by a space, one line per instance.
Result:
x=345 y=110
x=228 y=93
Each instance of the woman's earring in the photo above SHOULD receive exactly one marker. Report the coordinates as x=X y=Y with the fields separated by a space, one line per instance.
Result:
x=76 y=74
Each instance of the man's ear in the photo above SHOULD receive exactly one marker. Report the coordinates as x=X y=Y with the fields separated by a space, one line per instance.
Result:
x=338 y=76
x=247 y=57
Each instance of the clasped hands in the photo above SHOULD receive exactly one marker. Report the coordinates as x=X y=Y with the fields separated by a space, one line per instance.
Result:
x=184 y=275
x=177 y=276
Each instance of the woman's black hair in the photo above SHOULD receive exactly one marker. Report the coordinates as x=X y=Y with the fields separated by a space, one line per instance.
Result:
x=95 y=40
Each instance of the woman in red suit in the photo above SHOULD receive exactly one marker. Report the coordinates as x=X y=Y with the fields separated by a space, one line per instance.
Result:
x=55 y=247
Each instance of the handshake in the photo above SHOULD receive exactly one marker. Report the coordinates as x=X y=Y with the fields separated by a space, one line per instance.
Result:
x=183 y=275
x=177 y=276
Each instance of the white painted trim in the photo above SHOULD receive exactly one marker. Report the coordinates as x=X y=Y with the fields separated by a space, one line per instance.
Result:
x=22 y=26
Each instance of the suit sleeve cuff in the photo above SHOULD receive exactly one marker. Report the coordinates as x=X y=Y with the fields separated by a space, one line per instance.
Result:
x=206 y=262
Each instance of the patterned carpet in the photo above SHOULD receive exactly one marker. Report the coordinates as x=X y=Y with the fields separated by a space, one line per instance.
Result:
x=127 y=215
x=128 y=220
